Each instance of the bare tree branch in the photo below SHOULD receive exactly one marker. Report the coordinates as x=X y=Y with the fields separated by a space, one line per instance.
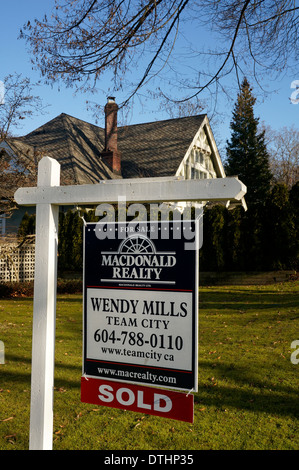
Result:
x=85 y=40
x=19 y=103
x=15 y=170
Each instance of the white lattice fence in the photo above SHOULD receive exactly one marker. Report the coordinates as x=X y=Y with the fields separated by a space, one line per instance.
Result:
x=17 y=263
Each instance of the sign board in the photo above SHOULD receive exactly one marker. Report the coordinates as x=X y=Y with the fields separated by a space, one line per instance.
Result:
x=47 y=197
x=165 y=403
x=140 y=304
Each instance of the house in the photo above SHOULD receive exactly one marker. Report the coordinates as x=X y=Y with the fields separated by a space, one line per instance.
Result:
x=183 y=147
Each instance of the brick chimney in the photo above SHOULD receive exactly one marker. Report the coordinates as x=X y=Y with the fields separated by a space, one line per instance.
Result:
x=110 y=154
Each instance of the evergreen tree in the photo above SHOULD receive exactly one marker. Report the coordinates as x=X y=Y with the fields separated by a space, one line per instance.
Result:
x=294 y=205
x=233 y=239
x=27 y=225
x=247 y=155
x=212 y=254
x=279 y=229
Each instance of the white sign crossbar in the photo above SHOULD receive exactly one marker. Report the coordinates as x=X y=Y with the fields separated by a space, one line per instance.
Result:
x=136 y=190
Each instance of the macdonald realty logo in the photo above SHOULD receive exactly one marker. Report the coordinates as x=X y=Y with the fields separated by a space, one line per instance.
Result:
x=138 y=260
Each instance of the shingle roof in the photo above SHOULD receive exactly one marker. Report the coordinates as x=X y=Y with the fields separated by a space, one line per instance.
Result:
x=156 y=148
x=74 y=143
x=150 y=149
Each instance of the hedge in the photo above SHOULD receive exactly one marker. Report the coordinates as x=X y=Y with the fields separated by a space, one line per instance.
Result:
x=26 y=289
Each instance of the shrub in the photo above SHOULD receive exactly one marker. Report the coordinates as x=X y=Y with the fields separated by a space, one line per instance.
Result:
x=26 y=289
x=16 y=289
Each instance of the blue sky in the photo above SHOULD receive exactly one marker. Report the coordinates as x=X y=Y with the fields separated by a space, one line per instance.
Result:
x=276 y=111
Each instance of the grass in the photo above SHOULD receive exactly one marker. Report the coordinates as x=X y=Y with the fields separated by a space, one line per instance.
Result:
x=248 y=386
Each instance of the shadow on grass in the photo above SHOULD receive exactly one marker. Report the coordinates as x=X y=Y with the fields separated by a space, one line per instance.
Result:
x=238 y=387
x=247 y=299
x=241 y=392
x=266 y=401
x=245 y=392
x=9 y=377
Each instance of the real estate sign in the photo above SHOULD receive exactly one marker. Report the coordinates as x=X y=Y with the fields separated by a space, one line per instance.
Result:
x=47 y=197
x=155 y=401
x=140 y=304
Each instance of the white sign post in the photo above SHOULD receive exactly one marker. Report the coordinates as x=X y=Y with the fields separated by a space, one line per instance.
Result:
x=44 y=312
x=47 y=197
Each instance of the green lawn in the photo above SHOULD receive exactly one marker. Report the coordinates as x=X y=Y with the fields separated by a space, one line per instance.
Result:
x=248 y=386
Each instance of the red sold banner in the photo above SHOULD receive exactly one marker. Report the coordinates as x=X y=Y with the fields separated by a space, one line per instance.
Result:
x=148 y=400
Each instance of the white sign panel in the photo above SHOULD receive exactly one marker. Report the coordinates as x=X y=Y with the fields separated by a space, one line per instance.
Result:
x=140 y=307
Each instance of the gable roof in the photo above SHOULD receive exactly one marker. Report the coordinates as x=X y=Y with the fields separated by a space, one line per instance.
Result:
x=156 y=148
x=149 y=149
x=74 y=143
